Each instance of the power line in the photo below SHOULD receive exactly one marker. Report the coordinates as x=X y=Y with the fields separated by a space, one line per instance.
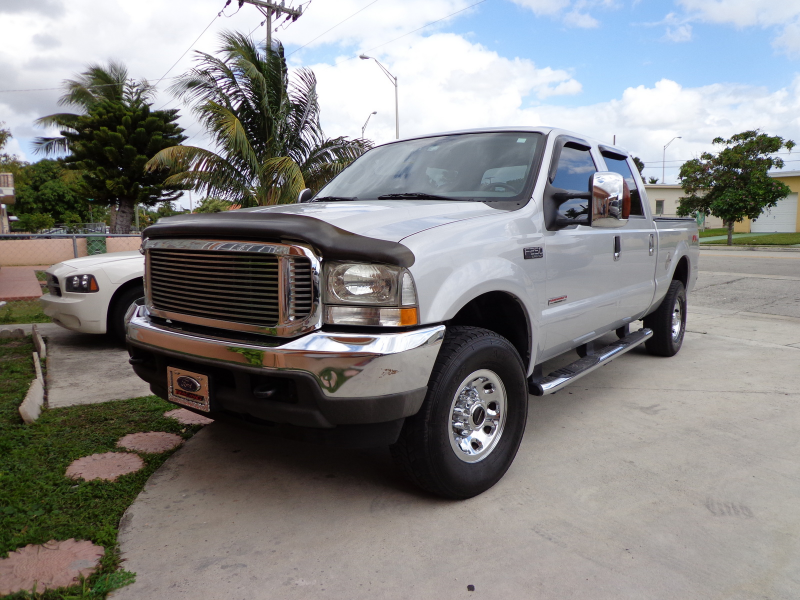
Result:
x=332 y=28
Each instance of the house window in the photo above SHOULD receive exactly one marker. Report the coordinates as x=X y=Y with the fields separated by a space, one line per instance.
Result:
x=659 y=207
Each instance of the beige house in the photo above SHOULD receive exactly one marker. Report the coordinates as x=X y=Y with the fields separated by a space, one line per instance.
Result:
x=6 y=199
x=664 y=202
x=783 y=218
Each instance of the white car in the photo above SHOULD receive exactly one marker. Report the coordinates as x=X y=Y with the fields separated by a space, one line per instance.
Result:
x=92 y=294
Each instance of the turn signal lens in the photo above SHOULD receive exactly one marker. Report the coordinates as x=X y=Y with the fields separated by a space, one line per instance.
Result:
x=369 y=316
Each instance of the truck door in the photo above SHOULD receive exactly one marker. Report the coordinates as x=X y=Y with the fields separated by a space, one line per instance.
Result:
x=635 y=267
x=581 y=295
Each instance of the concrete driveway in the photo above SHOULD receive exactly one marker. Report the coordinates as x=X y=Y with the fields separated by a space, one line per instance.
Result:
x=650 y=479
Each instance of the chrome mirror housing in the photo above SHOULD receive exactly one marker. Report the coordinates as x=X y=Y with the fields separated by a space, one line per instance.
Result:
x=611 y=200
x=305 y=195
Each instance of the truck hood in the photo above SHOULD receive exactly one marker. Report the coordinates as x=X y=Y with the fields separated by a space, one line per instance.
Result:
x=390 y=220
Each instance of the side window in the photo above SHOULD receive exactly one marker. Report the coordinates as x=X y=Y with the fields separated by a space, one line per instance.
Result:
x=620 y=165
x=575 y=168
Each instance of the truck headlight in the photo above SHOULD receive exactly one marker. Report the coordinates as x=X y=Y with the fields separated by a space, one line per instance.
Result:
x=82 y=283
x=373 y=294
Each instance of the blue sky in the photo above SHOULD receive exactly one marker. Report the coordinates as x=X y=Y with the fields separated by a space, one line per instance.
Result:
x=645 y=71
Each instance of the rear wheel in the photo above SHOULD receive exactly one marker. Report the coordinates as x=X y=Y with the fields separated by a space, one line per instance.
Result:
x=668 y=322
x=119 y=306
x=468 y=431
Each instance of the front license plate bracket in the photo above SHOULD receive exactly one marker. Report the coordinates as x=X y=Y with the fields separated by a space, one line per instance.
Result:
x=189 y=388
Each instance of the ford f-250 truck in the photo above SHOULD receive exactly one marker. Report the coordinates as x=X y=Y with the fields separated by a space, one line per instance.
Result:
x=413 y=300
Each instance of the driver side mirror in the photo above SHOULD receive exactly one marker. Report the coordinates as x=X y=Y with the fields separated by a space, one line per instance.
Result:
x=611 y=200
x=305 y=196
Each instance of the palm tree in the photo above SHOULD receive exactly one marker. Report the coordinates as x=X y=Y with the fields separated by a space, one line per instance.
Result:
x=265 y=128
x=95 y=85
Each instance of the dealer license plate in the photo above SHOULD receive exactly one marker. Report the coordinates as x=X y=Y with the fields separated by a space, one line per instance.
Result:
x=188 y=388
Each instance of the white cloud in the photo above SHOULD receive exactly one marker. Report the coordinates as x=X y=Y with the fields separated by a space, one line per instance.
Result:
x=679 y=33
x=782 y=14
x=576 y=16
x=582 y=20
x=445 y=82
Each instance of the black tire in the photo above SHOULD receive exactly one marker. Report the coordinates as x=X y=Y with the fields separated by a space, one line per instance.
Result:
x=119 y=306
x=427 y=448
x=667 y=340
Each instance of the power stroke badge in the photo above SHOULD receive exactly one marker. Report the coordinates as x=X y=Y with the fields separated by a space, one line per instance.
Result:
x=535 y=252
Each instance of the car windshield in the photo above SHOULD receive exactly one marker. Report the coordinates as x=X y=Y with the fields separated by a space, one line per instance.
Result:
x=477 y=166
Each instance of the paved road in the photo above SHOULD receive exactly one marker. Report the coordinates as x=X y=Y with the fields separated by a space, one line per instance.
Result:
x=651 y=478
x=757 y=282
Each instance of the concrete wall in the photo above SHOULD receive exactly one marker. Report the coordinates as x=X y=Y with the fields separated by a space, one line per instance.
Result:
x=18 y=253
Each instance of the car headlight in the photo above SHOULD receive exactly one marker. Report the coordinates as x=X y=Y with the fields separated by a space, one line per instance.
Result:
x=373 y=294
x=82 y=283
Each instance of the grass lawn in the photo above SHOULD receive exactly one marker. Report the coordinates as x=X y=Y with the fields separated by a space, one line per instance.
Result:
x=775 y=239
x=37 y=502
x=713 y=232
x=22 y=311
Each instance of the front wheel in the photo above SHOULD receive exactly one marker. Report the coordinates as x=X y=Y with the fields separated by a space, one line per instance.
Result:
x=468 y=431
x=118 y=308
x=668 y=322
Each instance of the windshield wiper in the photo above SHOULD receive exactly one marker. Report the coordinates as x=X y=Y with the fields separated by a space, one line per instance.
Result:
x=414 y=195
x=333 y=198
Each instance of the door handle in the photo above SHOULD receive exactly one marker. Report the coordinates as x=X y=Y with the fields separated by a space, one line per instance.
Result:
x=652 y=244
x=617 y=247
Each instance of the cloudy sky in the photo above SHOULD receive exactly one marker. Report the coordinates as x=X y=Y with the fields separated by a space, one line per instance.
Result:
x=644 y=71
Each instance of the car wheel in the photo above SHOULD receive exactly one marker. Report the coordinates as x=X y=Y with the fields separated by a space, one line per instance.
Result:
x=469 y=428
x=668 y=322
x=119 y=306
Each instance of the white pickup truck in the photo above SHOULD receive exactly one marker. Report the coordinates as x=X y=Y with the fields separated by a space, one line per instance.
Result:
x=414 y=299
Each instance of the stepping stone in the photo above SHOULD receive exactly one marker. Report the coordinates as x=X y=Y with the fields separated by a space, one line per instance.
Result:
x=187 y=417
x=108 y=466
x=48 y=566
x=153 y=442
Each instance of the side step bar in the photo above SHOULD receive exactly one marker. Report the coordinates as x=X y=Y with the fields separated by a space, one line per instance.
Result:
x=550 y=384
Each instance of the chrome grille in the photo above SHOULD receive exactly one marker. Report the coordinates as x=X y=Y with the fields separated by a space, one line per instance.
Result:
x=270 y=288
x=300 y=290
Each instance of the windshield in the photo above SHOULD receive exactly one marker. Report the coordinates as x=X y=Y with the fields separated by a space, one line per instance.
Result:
x=477 y=166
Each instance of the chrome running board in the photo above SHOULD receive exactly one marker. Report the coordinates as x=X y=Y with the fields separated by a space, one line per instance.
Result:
x=550 y=384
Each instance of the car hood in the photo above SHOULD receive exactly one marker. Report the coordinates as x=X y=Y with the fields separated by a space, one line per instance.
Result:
x=87 y=262
x=390 y=220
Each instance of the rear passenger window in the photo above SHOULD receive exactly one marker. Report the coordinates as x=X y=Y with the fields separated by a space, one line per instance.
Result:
x=617 y=165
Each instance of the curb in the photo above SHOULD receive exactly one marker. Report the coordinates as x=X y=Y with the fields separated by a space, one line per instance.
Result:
x=749 y=248
x=31 y=407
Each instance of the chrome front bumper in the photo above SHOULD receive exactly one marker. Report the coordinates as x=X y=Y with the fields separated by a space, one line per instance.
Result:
x=343 y=365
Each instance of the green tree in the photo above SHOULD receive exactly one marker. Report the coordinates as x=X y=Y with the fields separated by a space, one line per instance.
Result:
x=48 y=188
x=652 y=180
x=34 y=222
x=213 y=205
x=639 y=164
x=734 y=183
x=265 y=128
x=112 y=138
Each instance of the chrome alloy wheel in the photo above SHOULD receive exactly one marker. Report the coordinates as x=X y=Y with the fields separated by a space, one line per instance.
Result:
x=677 y=321
x=477 y=416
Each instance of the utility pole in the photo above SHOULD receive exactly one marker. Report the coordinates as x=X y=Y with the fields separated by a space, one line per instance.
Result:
x=268 y=9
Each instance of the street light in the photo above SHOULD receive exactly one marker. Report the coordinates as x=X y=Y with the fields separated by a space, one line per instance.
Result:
x=393 y=79
x=364 y=128
x=664 y=157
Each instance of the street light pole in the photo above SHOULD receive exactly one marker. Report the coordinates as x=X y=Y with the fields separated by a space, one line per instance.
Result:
x=393 y=79
x=364 y=128
x=664 y=157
